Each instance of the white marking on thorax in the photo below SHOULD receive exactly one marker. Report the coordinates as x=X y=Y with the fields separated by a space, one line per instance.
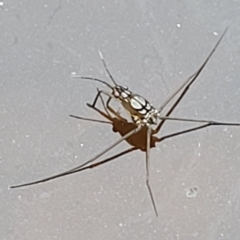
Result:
x=142 y=111
x=140 y=99
x=135 y=104
x=124 y=95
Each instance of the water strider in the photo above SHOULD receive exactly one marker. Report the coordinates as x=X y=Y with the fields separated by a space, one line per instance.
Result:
x=138 y=133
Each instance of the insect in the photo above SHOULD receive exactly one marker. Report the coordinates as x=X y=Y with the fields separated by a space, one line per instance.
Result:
x=143 y=115
x=137 y=141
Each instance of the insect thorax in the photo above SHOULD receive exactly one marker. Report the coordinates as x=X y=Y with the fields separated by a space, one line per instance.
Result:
x=140 y=110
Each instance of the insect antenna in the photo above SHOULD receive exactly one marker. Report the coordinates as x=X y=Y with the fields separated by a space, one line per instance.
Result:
x=89 y=119
x=93 y=79
x=99 y=80
x=106 y=68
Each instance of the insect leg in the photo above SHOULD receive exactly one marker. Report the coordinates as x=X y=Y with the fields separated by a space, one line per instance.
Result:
x=108 y=107
x=134 y=131
x=194 y=76
x=200 y=121
x=194 y=129
x=187 y=86
x=78 y=170
x=149 y=134
x=103 y=104
x=98 y=95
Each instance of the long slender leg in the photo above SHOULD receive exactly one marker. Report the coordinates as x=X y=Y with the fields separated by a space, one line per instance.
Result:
x=103 y=104
x=194 y=76
x=188 y=85
x=104 y=114
x=200 y=121
x=99 y=92
x=97 y=96
x=171 y=110
x=149 y=134
x=89 y=119
x=129 y=134
x=174 y=106
x=107 y=107
x=190 y=130
x=175 y=93
x=78 y=170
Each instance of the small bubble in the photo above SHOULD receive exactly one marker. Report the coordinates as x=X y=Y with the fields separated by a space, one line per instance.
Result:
x=120 y=224
x=1 y=4
x=191 y=192
x=178 y=25
x=215 y=33
x=81 y=145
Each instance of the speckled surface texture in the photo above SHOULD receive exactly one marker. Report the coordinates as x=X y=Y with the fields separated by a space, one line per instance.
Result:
x=152 y=47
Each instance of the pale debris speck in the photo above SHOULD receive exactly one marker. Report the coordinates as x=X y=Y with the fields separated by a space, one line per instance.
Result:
x=178 y=25
x=225 y=129
x=45 y=195
x=1 y=4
